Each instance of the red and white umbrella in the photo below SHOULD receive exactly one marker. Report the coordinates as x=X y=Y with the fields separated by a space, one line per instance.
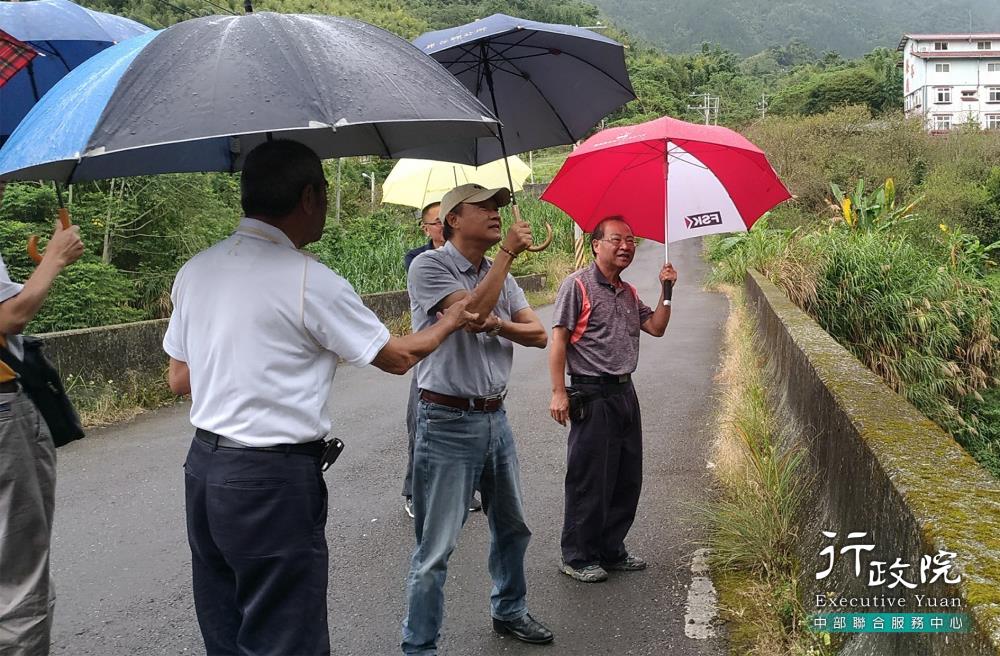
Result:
x=671 y=180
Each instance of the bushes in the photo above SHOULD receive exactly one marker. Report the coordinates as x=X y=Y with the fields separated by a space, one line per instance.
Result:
x=928 y=324
x=87 y=294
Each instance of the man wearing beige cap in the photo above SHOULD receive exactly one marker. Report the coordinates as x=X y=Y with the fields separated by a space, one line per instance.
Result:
x=462 y=435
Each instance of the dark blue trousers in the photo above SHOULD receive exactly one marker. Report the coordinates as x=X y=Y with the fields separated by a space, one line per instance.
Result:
x=603 y=476
x=256 y=525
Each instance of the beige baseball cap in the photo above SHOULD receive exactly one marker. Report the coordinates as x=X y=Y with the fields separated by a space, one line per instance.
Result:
x=472 y=193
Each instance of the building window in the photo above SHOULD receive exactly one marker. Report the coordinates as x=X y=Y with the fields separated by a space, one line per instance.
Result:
x=968 y=95
x=993 y=67
x=942 y=68
x=984 y=45
x=994 y=94
x=993 y=121
x=940 y=45
x=942 y=121
x=944 y=94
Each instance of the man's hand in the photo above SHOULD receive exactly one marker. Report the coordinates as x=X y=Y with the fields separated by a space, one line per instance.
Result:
x=486 y=325
x=455 y=316
x=559 y=407
x=518 y=237
x=668 y=273
x=64 y=247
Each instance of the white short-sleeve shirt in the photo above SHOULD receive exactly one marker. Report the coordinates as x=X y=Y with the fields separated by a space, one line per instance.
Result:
x=261 y=325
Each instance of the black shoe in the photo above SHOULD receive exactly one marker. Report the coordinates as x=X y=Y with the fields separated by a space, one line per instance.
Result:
x=525 y=629
x=475 y=504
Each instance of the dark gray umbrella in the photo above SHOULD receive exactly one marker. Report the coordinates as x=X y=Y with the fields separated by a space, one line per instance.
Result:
x=201 y=94
x=549 y=84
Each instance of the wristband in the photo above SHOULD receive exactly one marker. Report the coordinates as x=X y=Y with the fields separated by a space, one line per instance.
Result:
x=512 y=254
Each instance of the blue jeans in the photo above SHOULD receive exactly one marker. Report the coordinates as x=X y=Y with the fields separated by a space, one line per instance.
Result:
x=454 y=450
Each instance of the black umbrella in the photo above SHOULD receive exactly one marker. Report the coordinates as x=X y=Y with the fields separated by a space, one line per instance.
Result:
x=198 y=96
x=549 y=84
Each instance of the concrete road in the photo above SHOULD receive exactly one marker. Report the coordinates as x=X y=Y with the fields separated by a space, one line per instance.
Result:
x=120 y=556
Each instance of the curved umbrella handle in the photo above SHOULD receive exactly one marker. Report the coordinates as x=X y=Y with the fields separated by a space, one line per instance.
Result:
x=535 y=248
x=33 y=239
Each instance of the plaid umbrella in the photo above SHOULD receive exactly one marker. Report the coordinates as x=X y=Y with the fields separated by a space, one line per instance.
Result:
x=14 y=55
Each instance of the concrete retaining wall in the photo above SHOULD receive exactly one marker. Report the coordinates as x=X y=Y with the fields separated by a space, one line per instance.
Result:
x=880 y=467
x=108 y=352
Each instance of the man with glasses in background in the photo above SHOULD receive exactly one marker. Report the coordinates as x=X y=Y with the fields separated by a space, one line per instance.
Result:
x=595 y=338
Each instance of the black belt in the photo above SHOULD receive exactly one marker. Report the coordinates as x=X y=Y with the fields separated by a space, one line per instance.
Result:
x=484 y=404
x=600 y=380
x=9 y=387
x=222 y=442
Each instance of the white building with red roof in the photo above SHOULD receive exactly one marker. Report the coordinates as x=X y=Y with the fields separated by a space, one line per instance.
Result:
x=951 y=79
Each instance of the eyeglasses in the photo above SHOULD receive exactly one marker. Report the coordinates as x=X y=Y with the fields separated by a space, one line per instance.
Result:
x=616 y=241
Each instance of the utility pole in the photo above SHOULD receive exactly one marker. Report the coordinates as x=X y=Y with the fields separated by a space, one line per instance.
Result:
x=340 y=168
x=371 y=178
x=762 y=105
x=709 y=107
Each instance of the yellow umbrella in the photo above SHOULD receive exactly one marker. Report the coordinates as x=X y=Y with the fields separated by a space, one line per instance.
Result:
x=419 y=182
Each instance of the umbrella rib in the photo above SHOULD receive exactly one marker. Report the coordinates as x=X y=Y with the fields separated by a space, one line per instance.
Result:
x=528 y=79
x=563 y=52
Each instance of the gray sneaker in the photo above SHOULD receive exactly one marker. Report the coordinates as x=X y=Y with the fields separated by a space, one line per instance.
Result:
x=588 y=574
x=629 y=563
x=408 y=506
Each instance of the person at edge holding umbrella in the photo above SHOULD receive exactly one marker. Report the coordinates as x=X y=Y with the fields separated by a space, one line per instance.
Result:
x=430 y=223
x=27 y=466
x=255 y=335
x=463 y=437
x=595 y=338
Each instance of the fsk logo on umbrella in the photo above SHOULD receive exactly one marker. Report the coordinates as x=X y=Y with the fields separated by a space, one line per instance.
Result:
x=703 y=220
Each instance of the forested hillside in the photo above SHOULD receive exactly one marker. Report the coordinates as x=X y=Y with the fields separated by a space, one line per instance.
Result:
x=847 y=27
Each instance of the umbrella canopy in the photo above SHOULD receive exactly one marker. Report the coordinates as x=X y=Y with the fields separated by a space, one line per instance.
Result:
x=671 y=180
x=549 y=84
x=419 y=182
x=65 y=35
x=14 y=55
x=199 y=95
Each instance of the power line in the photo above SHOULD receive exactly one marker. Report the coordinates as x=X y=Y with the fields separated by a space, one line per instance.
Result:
x=180 y=9
x=225 y=9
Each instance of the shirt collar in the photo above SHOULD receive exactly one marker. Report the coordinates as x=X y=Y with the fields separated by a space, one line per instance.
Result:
x=262 y=230
x=601 y=280
x=464 y=265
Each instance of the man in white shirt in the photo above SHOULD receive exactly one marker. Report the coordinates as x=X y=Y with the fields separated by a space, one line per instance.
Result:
x=255 y=335
x=27 y=466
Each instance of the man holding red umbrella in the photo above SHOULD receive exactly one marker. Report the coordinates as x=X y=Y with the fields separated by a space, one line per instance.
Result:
x=595 y=337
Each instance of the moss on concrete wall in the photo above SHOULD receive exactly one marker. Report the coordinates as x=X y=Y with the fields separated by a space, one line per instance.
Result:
x=881 y=466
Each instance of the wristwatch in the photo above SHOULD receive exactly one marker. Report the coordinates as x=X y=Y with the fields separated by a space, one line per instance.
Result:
x=493 y=332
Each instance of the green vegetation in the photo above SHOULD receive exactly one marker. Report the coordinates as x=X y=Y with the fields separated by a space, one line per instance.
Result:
x=895 y=275
x=752 y=522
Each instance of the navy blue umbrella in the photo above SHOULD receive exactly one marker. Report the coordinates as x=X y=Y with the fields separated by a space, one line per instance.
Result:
x=65 y=35
x=549 y=84
x=199 y=95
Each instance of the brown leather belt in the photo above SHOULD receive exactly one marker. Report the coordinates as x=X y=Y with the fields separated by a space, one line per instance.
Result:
x=8 y=387
x=485 y=404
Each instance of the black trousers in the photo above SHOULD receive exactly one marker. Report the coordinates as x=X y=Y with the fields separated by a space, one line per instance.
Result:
x=256 y=525
x=603 y=476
